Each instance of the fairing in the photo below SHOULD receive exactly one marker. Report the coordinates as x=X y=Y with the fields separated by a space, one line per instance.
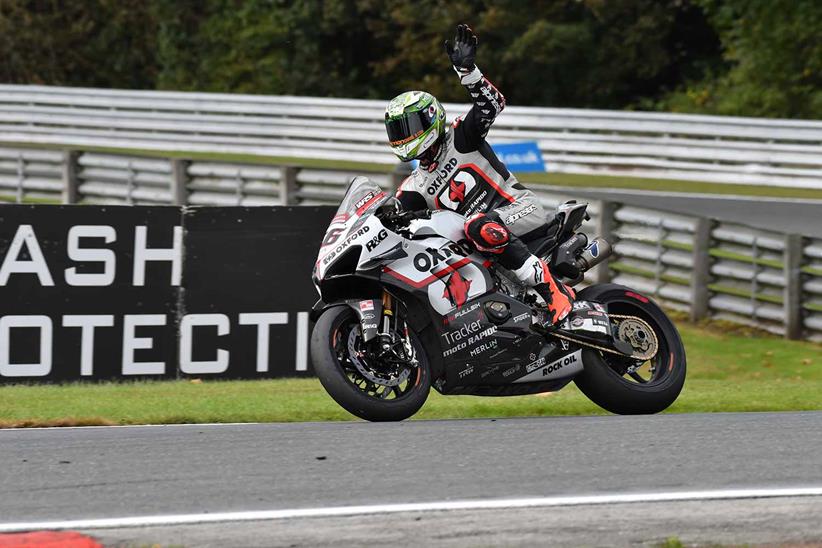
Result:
x=478 y=340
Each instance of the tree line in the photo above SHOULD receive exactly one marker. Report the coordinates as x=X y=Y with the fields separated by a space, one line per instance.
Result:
x=737 y=57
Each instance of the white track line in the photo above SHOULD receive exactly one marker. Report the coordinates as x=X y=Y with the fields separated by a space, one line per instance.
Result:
x=188 y=519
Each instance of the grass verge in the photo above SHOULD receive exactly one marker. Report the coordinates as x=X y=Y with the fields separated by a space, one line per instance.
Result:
x=730 y=369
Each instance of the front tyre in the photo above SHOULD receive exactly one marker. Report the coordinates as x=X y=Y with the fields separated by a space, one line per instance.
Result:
x=365 y=387
x=633 y=386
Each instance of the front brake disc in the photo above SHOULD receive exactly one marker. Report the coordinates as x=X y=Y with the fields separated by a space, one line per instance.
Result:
x=367 y=372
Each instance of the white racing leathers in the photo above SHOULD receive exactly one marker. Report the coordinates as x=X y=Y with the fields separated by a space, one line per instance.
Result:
x=467 y=177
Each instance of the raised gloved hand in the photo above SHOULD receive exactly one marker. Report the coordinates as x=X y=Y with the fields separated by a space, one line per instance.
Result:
x=464 y=50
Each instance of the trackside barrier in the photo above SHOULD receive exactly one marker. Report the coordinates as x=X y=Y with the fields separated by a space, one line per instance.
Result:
x=721 y=149
x=705 y=267
x=120 y=292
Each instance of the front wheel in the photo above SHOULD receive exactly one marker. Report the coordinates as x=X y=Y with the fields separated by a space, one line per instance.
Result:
x=370 y=388
x=631 y=386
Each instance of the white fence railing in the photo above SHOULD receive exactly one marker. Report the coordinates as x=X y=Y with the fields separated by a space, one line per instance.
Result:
x=706 y=267
x=645 y=144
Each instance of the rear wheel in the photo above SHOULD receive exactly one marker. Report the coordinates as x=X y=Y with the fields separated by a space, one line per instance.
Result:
x=370 y=388
x=629 y=386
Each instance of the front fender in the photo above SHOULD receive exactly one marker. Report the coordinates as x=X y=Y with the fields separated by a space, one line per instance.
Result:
x=368 y=311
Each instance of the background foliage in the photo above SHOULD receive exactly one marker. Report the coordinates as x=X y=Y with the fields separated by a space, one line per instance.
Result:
x=742 y=57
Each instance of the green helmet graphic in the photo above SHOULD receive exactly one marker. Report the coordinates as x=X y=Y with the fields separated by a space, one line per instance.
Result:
x=414 y=121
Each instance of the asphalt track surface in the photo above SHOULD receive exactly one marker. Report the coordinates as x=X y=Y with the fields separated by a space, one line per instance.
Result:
x=798 y=216
x=91 y=473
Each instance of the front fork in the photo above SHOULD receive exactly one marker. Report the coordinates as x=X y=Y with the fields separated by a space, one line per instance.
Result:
x=381 y=324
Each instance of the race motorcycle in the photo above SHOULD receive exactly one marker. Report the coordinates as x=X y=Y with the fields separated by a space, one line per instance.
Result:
x=407 y=303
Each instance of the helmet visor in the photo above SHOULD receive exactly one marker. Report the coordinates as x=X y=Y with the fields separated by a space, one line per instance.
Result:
x=407 y=128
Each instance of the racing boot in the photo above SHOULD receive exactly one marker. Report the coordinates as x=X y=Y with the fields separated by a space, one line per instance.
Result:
x=558 y=297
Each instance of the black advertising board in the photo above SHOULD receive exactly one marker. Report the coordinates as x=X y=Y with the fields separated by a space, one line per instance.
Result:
x=103 y=292
x=249 y=270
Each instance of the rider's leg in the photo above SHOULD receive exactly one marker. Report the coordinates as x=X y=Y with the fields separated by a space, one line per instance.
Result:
x=490 y=236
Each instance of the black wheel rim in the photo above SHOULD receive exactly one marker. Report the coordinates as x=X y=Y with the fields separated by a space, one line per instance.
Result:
x=341 y=346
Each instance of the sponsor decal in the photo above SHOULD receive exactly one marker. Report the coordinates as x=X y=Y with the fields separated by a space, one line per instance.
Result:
x=470 y=332
x=453 y=350
x=520 y=317
x=489 y=371
x=454 y=193
x=476 y=205
x=431 y=258
x=536 y=364
x=463 y=332
x=564 y=344
x=490 y=96
x=374 y=242
x=577 y=322
x=364 y=200
x=442 y=176
x=484 y=347
x=460 y=313
x=511 y=219
x=369 y=326
x=511 y=370
x=366 y=305
x=487 y=332
x=340 y=248
x=539 y=371
x=593 y=249
x=560 y=363
x=581 y=305
x=465 y=372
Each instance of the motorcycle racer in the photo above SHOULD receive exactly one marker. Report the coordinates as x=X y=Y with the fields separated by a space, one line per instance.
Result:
x=459 y=171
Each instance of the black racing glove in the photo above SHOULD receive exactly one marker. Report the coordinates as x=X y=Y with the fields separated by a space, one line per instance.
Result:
x=464 y=51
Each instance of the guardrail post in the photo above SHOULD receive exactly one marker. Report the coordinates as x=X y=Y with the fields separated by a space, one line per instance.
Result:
x=179 y=181
x=288 y=185
x=400 y=173
x=70 y=180
x=21 y=178
x=792 y=297
x=605 y=229
x=700 y=269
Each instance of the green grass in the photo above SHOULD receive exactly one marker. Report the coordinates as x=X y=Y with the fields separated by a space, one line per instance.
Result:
x=730 y=369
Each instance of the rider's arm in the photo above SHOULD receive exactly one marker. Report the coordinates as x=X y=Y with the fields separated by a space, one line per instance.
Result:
x=488 y=101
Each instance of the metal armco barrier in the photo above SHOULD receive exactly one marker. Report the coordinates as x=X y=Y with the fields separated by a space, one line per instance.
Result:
x=105 y=292
x=708 y=267
x=721 y=149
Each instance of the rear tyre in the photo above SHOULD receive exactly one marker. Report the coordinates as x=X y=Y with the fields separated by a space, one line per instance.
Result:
x=633 y=387
x=335 y=334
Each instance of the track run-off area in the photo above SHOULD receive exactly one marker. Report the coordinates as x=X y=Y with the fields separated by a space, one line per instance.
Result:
x=738 y=477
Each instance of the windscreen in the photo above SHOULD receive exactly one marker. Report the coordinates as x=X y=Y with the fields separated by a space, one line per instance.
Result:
x=362 y=194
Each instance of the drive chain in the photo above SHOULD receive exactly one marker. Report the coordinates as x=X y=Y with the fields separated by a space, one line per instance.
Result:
x=643 y=357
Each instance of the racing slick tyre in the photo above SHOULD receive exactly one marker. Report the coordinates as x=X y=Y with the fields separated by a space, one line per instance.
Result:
x=628 y=386
x=366 y=387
